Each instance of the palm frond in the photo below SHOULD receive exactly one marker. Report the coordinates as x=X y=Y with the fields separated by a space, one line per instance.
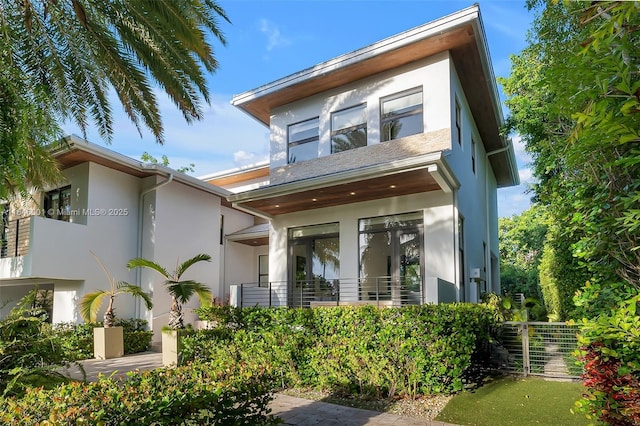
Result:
x=136 y=291
x=202 y=257
x=112 y=283
x=144 y=263
x=90 y=304
x=184 y=290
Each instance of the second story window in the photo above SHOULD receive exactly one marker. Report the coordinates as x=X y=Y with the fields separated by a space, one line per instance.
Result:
x=57 y=204
x=473 y=155
x=349 y=129
x=401 y=115
x=458 y=122
x=303 y=140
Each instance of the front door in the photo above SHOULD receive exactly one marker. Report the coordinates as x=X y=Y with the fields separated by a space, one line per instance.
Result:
x=314 y=264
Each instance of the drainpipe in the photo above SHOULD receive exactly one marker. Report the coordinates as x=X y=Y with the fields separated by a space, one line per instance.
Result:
x=140 y=230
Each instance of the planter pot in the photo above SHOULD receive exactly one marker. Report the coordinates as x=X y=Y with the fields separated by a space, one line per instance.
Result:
x=108 y=342
x=172 y=347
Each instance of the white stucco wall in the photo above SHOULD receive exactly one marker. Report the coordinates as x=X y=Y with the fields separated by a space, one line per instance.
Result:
x=437 y=211
x=186 y=222
x=239 y=261
x=475 y=200
x=104 y=202
x=476 y=197
x=432 y=74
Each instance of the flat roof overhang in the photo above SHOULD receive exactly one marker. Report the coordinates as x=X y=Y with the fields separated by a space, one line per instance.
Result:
x=414 y=175
x=73 y=150
x=256 y=235
x=460 y=33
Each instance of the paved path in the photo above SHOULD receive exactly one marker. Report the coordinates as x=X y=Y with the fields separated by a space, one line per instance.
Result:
x=294 y=411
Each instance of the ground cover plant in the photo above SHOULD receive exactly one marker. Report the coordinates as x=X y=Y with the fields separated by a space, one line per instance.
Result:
x=366 y=351
x=199 y=393
x=516 y=401
x=29 y=353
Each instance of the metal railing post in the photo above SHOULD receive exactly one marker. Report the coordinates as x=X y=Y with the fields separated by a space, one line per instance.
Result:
x=526 y=363
x=269 y=286
x=378 y=292
x=241 y=293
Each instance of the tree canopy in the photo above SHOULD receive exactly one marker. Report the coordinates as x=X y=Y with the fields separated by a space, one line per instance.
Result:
x=63 y=60
x=574 y=96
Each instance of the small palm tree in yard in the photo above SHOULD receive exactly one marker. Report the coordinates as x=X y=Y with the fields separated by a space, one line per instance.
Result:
x=180 y=290
x=91 y=302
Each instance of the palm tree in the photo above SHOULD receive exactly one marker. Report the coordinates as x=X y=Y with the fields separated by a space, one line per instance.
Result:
x=180 y=290
x=61 y=60
x=91 y=302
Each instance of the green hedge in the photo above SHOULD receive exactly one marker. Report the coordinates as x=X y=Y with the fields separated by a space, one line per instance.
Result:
x=77 y=339
x=198 y=393
x=409 y=351
x=610 y=351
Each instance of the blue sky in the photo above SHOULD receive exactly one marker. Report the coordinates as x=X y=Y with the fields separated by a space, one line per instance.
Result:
x=270 y=39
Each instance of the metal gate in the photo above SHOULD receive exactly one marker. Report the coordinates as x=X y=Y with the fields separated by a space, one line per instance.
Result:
x=539 y=348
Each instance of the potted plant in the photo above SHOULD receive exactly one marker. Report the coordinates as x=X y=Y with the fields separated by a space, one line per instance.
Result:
x=181 y=292
x=108 y=341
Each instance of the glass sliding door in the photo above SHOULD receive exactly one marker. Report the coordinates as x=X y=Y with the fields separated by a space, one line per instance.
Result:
x=391 y=258
x=314 y=264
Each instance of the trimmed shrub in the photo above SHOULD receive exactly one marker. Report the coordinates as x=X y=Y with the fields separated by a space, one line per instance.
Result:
x=198 y=393
x=409 y=351
x=77 y=339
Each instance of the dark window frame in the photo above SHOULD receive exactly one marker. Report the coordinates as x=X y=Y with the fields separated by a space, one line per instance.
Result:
x=290 y=143
x=4 y=231
x=349 y=129
x=261 y=273
x=474 y=146
x=54 y=213
x=417 y=110
x=458 y=120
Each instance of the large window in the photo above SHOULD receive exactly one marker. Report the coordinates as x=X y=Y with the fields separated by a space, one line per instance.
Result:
x=57 y=204
x=349 y=128
x=401 y=115
x=462 y=282
x=303 y=140
x=391 y=257
x=263 y=270
x=314 y=263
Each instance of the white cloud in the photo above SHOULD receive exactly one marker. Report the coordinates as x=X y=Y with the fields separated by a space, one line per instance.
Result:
x=244 y=158
x=513 y=200
x=210 y=143
x=274 y=36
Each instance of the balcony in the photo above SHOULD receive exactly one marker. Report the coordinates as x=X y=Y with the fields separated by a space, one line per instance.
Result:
x=37 y=246
x=379 y=291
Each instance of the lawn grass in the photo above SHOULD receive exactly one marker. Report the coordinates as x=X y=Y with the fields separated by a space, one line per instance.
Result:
x=516 y=401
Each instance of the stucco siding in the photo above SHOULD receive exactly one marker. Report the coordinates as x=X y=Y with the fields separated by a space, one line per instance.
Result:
x=432 y=75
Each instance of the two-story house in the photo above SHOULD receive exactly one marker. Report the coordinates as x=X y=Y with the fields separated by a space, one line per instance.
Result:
x=118 y=208
x=381 y=188
x=383 y=173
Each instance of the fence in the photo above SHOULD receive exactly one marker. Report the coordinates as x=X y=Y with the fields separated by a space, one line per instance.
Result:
x=379 y=291
x=540 y=349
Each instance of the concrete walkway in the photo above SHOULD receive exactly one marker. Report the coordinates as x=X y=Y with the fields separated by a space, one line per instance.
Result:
x=294 y=411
